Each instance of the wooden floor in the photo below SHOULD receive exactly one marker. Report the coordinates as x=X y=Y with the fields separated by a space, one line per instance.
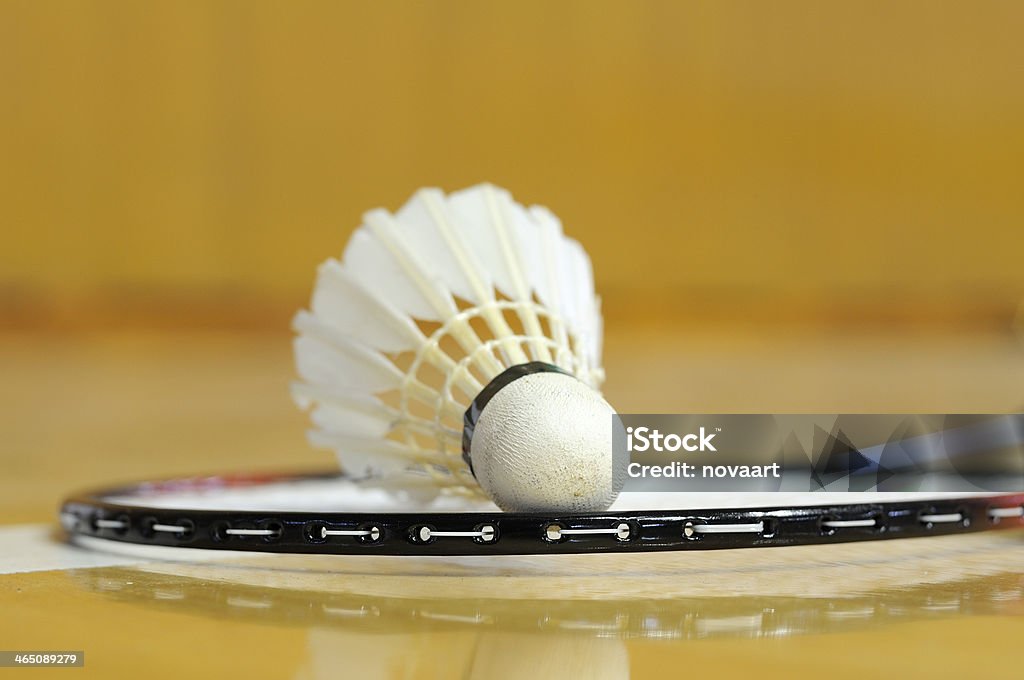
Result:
x=89 y=409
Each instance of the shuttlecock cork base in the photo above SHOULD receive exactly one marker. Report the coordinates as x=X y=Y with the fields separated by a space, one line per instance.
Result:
x=462 y=310
x=543 y=443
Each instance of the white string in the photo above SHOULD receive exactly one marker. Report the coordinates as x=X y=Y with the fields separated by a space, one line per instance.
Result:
x=325 y=532
x=485 y=533
x=170 y=528
x=111 y=524
x=849 y=523
x=942 y=519
x=622 y=531
x=753 y=528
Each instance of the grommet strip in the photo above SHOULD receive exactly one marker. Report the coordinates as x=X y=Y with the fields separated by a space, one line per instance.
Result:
x=493 y=533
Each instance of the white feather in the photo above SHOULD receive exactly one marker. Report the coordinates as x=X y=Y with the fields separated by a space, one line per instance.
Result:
x=353 y=419
x=425 y=224
x=478 y=215
x=324 y=356
x=341 y=302
x=376 y=256
x=367 y=455
x=401 y=289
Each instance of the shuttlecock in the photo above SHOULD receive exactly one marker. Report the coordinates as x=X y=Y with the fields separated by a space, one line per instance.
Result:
x=458 y=341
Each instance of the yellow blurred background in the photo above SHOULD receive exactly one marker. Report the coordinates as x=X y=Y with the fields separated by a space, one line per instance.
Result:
x=791 y=207
x=190 y=163
x=804 y=207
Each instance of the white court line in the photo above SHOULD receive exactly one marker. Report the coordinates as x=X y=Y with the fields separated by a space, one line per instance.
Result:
x=39 y=547
x=35 y=547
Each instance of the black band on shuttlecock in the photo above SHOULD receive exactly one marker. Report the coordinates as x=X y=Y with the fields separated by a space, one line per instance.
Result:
x=507 y=376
